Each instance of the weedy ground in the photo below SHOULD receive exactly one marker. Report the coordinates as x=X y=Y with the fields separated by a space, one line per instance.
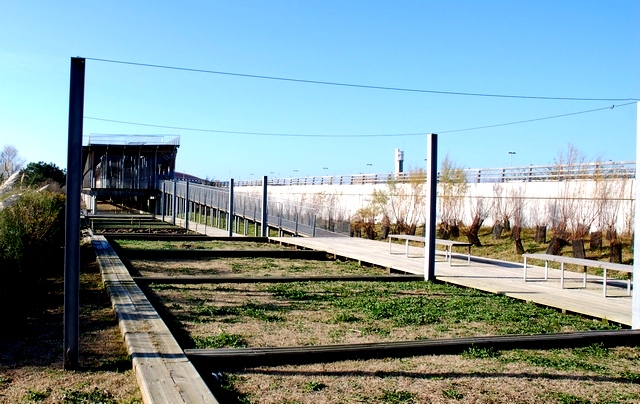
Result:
x=305 y=313
x=31 y=351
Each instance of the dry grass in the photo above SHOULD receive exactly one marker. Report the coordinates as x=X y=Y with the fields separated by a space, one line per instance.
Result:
x=248 y=267
x=31 y=353
x=329 y=313
x=197 y=245
x=429 y=379
x=235 y=315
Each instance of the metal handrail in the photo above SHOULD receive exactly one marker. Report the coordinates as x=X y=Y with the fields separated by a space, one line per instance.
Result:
x=531 y=173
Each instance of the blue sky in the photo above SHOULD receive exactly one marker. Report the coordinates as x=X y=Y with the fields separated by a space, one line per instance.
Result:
x=584 y=49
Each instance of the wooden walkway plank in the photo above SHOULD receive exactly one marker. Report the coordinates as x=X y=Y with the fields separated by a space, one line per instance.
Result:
x=164 y=373
x=488 y=275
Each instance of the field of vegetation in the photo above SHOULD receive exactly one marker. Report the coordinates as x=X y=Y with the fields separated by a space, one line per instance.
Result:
x=319 y=313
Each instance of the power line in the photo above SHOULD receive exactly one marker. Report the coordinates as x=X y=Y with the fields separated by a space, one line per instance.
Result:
x=365 y=86
x=536 y=119
x=352 y=135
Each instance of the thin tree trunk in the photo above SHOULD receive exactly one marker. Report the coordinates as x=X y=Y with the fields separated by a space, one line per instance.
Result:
x=454 y=231
x=541 y=234
x=555 y=245
x=472 y=233
x=516 y=238
x=506 y=224
x=577 y=246
x=595 y=241
x=615 y=252
x=443 y=231
x=497 y=231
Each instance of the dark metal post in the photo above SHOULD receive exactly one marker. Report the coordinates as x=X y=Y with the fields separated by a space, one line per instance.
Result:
x=313 y=225
x=635 y=299
x=187 y=206
x=255 y=222
x=430 y=228
x=162 y=201
x=230 y=215
x=264 y=226
x=72 y=211
x=174 y=204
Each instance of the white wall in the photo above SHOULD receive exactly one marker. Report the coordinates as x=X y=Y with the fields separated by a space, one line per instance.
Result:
x=347 y=199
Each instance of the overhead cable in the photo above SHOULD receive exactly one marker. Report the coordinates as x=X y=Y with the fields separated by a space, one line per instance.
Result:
x=365 y=86
x=351 y=135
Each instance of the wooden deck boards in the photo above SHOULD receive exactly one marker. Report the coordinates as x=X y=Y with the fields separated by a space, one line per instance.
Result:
x=488 y=275
x=164 y=373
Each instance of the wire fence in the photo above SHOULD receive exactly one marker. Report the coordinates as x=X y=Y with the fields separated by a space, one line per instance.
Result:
x=293 y=218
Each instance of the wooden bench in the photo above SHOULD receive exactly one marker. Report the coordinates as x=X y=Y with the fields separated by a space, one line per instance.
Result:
x=582 y=262
x=449 y=244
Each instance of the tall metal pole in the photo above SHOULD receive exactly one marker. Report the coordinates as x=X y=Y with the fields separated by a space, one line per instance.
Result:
x=430 y=228
x=230 y=215
x=162 y=201
x=187 y=206
x=635 y=300
x=264 y=227
x=72 y=211
x=174 y=203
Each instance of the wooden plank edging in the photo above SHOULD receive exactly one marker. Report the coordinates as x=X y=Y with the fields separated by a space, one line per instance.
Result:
x=164 y=373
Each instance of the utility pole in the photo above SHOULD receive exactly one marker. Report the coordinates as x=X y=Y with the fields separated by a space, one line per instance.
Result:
x=72 y=218
x=430 y=228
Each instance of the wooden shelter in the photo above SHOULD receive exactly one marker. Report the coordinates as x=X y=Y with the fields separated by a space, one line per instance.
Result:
x=126 y=169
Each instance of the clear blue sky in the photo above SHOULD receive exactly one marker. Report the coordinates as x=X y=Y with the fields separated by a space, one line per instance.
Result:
x=586 y=49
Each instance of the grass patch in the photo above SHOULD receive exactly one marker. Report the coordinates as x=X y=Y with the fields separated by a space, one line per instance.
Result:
x=479 y=353
x=565 y=398
x=222 y=340
x=398 y=397
x=96 y=396
x=558 y=359
x=452 y=394
x=314 y=386
x=36 y=396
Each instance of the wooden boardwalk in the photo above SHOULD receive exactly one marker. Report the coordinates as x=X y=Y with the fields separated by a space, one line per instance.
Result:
x=164 y=373
x=489 y=275
x=202 y=229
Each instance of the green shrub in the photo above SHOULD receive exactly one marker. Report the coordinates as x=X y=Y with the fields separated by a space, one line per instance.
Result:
x=32 y=232
x=31 y=247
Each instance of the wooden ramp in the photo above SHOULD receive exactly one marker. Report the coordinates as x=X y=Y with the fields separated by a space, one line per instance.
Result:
x=164 y=373
x=493 y=276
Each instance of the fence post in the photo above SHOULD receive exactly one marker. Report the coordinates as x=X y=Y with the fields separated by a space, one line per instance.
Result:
x=430 y=228
x=265 y=216
x=174 y=202
x=186 y=207
x=635 y=300
x=162 y=201
x=230 y=215
x=313 y=225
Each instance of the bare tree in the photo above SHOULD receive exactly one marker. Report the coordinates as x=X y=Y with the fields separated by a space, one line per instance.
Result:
x=538 y=217
x=479 y=212
x=568 y=211
x=10 y=162
x=496 y=212
x=406 y=202
x=516 y=196
x=452 y=186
